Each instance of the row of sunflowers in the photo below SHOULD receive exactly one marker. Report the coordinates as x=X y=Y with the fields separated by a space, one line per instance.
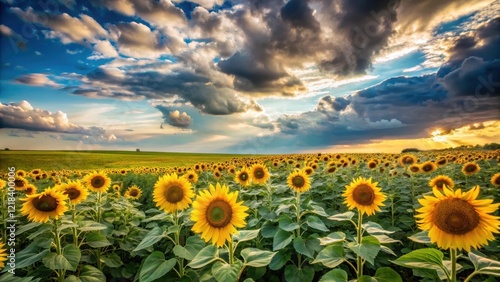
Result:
x=308 y=217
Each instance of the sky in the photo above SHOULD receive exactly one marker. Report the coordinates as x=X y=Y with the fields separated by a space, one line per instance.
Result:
x=249 y=77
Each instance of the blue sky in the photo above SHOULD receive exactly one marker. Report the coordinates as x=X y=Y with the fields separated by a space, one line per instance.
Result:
x=249 y=76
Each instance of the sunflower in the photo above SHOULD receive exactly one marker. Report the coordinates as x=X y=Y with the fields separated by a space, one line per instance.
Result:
x=495 y=179
x=440 y=181
x=441 y=161
x=191 y=176
x=75 y=191
x=35 y=172
x=133 y=192
x=364 y=195
x=259 y=174
x=428 y=167
x=20 y=183
x=116 y=187
x=172 y=193
x=331 y=169
x=470 y=168
x=308 y=170
x=3 y=255
x=217 y=174
x=243 y=177
x=97 y=181
x=414 y=168
x=30 y=189
x=372 y=164
x=457 y=220
x=43 y=206
x=2 y=184
x=299 y=181
x=21 y=173
x=407 y=160
x=217 y=214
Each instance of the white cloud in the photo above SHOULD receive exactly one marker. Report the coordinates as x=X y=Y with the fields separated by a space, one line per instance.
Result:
x=103 y=49
x=36 y=79
x=179 y=119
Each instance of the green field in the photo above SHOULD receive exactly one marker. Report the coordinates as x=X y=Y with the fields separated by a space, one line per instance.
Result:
x=74 y=160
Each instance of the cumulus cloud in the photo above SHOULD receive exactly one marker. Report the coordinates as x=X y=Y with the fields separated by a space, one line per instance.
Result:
x=103 y=49
x=23 y=116
x=160 y=13
x=68 y=29
x=36 y=79
x=178 y=119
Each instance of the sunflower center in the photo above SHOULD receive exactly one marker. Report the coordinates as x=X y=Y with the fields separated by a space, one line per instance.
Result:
x=427 y=167
x=456 y=216
x=298 y=181
x=45 y=203
x=219 y=213
x=258 y=173
x=72 y=193
x=97 y=181
x=18 y=183
x=414 y=169
x=134 y=193
x=174 y=194
x=363 y=195
x=190 y=176
x=243 y=176
x=372 y=165
x=470 y=168
x=497 y=180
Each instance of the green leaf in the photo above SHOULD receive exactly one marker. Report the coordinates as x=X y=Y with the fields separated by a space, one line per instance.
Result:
x=387 y=274
x=334 y=275
x=256 y=257
x=421 y=237
x=331 y=256
x=287 y=224
x=332 y=238
x=26 y=259
x=384 y=239
x=375 y=228
x=280 y=259
x=96 y=240
x=485 y=265
x=246 y=235
x=9 y=277
x=68 y=260
x=281 y=239
x=268 y=230
x=66 y=224
x=113 y=260
x=27 y=227
x=162 y=216
x=224 y=272
x=90 y=225
x=368 y=249
x=318 y=210
x=316 y=223
x=153 y=236
x=293 y=274
x=155 y=266
x=342 y=216
x=194 y=244
x=204 y=257
x=88 y=274
x=299 y=244
x=428 y=258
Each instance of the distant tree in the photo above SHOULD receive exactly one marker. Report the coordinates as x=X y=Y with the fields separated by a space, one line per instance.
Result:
x=409 y=150
x=7 y=149
x=137 y=150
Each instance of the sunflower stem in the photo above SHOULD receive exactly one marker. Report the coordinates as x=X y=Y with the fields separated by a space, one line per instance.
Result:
x=75 y=233
x=453 y=258
x=359 y=259
x=4 y=214
x=98 y=219
x=177 y=234
x=60 y=272
x=230 y=250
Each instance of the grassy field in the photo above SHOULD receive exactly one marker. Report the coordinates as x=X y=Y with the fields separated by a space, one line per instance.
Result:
x=55 y=160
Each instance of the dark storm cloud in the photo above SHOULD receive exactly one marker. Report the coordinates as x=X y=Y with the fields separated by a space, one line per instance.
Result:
x=329 y=104
x=299 y=14
x=187 y=86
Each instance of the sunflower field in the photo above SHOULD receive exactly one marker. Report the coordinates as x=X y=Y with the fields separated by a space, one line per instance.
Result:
x=425 y=216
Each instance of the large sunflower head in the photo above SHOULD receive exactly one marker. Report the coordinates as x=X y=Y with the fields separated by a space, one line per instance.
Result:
x=428 y=167
x=470 y=168
x=259 y=173
x=191 y=176
x=133 y=192
x=495 y=179
x=441 y=181
x=243 y=177
x=299 y=181
x=3 y=255
x=364 y=195
x=41 y=207
x=217 y=214
x=172 y=193
x=97 y=181
x=75 y=191
x=458 y=220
